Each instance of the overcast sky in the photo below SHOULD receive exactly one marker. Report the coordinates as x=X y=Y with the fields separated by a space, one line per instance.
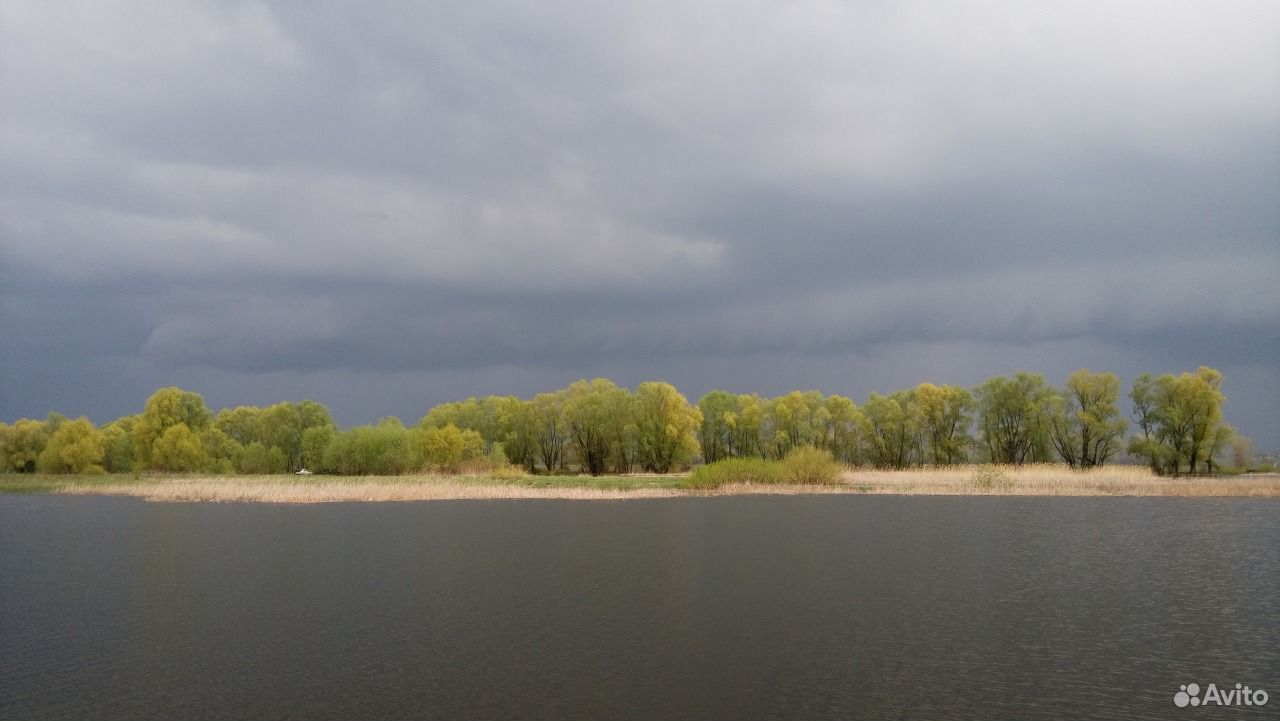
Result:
x=383 y=206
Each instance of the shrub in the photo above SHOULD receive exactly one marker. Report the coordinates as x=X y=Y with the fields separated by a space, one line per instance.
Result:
x=990 y=477
x=490 y=467
x=807 y=464
x=507 y=472
x=736 y=470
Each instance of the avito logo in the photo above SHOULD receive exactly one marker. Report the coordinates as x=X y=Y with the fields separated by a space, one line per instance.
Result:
x=1189 y=695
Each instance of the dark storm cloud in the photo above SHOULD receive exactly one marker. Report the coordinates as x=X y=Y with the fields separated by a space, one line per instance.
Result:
x=296 y=197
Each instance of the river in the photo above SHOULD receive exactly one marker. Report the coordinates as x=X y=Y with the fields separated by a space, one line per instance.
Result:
x=681 y=608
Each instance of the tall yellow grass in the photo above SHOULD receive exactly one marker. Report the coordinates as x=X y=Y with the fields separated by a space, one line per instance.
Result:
x=1048 y=480
x=1055 y=480
x=269 y=489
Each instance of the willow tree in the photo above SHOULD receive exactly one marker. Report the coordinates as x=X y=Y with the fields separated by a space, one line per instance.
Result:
x=22 y=443
x=746 y=427
x=284 y=424
x=793 y=421
x=166 y=409
x=892 y=425
x=549 y=429
x=666 y=427
x=1085 y=425
x=838 y=427
x=595 y=413
x=1180 y=419
x=1013 y=418
x=117 y=445
x=446 y=447
x=76 y=447
x=715 y=435
x=490 y=416
x=243 y=424
x=944 y=415
x=315 y=441
x=178 y=449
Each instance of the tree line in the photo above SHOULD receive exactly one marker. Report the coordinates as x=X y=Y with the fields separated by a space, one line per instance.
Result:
x=599 y=427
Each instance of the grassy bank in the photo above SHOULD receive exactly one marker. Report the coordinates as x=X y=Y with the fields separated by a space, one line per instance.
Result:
x=960 y=480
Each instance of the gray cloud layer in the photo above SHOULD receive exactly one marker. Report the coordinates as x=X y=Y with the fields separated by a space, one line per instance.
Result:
x=384 y=207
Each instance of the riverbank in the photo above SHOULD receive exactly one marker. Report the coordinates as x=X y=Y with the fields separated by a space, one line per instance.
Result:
x=959 y=480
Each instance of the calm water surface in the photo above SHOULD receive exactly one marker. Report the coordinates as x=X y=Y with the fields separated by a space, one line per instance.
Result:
x=747 y=607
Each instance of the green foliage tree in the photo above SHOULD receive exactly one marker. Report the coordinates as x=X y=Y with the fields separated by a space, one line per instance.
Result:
x=117 y=445
x=841 y=430
x=666 y=427
x=314 y=414
x=282 y=428
x=493 y=417
x=283 y=425
x=1085 y=426
x=793 y=421
x=603 y=428
x=1147 y=414
x=383 y=449
x=596 y=413
x=747 y=427
x=1180 y=419
x=339 y=454
x=720 y=411
x=622 y=452
x=22 y=443
x=52 y=423
x=520 y=439
x=448 y=447
x=166 y=409
x=220 y=450
x=75 y=447
x=314 y=442
x=892 y=423
x=243 y=424
x=944 y=421
x=178 y=450
x=1013 y=418
x=257 y=459
x=549 y=429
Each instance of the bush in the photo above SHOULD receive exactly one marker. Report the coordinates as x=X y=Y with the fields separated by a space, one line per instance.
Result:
x=807 y=464
x=736 y=470
x=507 y=472
x=990 y=477
x=491 y=467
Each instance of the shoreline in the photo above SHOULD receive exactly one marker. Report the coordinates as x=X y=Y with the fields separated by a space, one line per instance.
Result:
x=1121 y=481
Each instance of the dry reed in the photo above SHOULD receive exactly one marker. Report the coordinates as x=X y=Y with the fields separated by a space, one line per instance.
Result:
x=266 y=489
x=1048 y=480
x=1055 y=480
